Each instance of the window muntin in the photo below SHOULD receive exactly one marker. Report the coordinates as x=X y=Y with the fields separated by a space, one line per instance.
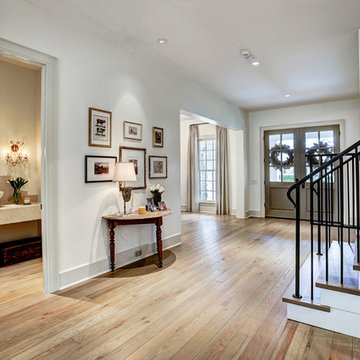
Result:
x=207 y=170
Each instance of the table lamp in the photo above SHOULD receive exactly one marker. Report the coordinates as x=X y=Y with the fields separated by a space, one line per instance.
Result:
x=124 y=172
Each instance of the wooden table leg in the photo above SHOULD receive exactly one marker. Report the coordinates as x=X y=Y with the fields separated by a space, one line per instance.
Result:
x=112 y=226
x=159 y=241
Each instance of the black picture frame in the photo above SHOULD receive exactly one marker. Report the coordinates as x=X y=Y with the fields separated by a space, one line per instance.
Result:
x=87 y=159
x=164 y=159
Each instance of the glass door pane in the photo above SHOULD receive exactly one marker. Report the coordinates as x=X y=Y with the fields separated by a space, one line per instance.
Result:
x=281 y=158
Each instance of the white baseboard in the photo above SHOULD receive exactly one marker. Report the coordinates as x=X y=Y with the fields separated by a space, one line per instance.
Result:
x=252 y=213
x=84 y=272
x=203 y=209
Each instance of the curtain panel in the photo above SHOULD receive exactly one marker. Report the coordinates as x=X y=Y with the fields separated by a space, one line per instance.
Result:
x=193 y=170
x=222 y=172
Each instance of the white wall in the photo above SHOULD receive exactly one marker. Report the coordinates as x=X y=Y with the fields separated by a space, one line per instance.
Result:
x=20 y=121
x=106 y=75
x=346 y=113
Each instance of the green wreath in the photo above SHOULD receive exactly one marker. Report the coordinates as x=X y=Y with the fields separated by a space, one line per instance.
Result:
x=318 y=149
x=275 y=156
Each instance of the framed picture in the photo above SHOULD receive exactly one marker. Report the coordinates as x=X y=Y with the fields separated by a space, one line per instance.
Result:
x=99 y=128
x=99 y=168
x=162 y=206
x=132 y=131
x=149 y=204
x=138 y=157
x=158 y=137
x=158 y=167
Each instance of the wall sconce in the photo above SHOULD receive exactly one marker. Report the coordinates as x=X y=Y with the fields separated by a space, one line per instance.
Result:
x=16 y=155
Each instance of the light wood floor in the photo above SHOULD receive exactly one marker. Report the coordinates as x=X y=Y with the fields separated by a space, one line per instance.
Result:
x=218 y=297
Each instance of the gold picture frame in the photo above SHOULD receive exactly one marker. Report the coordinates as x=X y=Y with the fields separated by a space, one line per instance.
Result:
x=158 y=137
x=99 y=128
x=132 y=131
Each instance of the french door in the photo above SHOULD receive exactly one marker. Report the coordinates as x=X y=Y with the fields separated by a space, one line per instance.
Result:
x=289 y=155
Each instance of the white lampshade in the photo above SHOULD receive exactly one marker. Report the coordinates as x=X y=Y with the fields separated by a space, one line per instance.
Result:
x=124 y=172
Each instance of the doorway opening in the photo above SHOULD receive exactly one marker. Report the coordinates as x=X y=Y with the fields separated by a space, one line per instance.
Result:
x=290 y=154
x=199 y=192
x=20 y=166
x=43 y=156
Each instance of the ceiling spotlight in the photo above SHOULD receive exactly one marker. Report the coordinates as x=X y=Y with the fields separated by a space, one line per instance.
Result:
x=287 y=95
x=162 y=41
x=249 y=57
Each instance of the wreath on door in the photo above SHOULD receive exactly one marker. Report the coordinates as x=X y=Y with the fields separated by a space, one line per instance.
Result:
x=318 y=149
x=276 y=160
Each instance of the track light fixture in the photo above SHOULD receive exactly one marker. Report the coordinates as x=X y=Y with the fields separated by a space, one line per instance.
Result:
x=249 y=57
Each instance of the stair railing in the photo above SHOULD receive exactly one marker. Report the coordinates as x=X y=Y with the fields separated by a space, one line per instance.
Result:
x=334 y=192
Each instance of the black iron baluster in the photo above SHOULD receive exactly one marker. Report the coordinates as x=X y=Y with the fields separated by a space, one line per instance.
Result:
x=297 y=244
x=341 y=221
x=326 y=228
x=357 y=206
x=312 y=236
x=348 y=199
x=320 y=203
x=353 y=189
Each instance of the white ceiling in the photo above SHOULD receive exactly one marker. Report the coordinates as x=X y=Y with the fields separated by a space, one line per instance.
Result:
x=307 y=48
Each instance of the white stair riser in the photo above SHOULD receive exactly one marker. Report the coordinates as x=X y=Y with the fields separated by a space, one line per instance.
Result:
x=341 y=301
x=341 y=321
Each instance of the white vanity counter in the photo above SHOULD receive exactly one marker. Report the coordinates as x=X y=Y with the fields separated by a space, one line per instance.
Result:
x=10 y=214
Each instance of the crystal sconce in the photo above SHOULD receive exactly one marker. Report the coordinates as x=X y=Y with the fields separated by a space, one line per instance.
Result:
x=16 y=155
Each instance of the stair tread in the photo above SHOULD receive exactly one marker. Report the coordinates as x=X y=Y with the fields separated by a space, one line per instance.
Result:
x=306 y=302
x=351 y=281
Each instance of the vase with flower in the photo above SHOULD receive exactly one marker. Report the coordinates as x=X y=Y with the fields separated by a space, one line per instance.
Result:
x=156 y=191
x=17 y=184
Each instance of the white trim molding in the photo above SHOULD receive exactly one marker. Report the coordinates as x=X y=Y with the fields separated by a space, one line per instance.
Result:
x=87 y=271
x=49 y=81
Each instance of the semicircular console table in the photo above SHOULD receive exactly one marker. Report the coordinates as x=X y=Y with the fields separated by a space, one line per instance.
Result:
x=155 y=218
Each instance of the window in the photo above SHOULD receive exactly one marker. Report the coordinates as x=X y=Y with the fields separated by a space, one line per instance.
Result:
x=207 y=170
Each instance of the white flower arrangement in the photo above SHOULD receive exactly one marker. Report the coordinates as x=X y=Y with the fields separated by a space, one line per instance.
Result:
x=156 y=188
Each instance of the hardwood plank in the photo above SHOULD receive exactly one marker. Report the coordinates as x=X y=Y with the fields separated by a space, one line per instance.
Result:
x=341 y=347
x=301 y=343
x=320 y=344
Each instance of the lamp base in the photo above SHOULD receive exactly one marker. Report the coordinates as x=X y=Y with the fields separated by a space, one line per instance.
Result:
x=126 y=194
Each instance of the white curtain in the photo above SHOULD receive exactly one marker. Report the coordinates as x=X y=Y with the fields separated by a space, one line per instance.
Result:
x=222 y=172
x=193 y=170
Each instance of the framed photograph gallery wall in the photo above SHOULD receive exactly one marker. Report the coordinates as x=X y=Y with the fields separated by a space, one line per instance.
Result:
x=99 y=168
x=138 y=157
x=99 y=128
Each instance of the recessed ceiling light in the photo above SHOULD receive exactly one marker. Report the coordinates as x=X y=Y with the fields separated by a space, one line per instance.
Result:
x=162 y=41
x=287 y=95
x=255 y=63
